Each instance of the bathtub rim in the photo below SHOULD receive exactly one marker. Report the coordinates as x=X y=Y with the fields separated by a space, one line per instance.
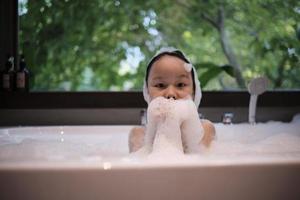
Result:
x=55 y=166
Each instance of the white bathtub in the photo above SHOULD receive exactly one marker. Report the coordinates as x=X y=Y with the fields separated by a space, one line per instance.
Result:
x=92 y=162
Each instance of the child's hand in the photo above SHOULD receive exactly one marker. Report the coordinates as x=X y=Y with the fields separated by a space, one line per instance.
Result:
x=160 y=108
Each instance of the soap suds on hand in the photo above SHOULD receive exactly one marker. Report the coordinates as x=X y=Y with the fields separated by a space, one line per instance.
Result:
x=172 y=123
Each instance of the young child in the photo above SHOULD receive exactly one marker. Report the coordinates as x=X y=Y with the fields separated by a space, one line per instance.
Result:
x=170 y=75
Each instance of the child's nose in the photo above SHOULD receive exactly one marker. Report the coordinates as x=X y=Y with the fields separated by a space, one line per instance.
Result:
x=170 y=93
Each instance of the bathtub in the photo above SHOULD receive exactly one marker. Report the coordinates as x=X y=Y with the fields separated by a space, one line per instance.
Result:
x=259 y=161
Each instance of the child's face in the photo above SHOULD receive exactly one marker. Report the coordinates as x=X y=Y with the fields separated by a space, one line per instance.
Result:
x=168 y=78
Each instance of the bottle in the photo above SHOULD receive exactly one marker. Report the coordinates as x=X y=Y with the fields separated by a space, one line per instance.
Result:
x=8 y=76
x=22 y=77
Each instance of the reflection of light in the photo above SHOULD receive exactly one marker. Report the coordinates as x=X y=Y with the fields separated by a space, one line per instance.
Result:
x=62 y=139
x=106 y=165
x=62 y=132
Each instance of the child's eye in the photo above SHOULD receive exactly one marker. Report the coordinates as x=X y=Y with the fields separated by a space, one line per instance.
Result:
x=159 y=85
x=180 y=85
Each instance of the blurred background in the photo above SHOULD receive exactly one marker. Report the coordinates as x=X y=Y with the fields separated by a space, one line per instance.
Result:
x=92 y=45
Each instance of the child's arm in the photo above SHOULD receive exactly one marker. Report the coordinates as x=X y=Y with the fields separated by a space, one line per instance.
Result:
x=136 y=138
x=137 y=135
x=209 y=132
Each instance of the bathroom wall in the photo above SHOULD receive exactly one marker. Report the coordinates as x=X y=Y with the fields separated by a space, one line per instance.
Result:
x=125 y=107
x=127 y=116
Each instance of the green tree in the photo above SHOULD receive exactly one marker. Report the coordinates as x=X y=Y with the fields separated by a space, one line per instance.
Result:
x=236 y=33
x=86 y=45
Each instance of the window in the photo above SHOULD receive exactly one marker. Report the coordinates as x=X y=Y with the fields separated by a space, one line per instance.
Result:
x=74 y=45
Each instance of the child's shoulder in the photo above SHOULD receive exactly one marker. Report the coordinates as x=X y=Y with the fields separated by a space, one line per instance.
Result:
x=209 y=132
x=137 y=129
x=208 y=125
x=207 y=122
x=136 y=138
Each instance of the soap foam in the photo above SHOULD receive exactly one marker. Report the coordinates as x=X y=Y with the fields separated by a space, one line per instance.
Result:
x=97 y=145
x=173 y=127
x=188 y=67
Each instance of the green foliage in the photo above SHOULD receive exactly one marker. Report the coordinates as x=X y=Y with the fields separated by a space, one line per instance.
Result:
x=212 y=71
x=87 y=45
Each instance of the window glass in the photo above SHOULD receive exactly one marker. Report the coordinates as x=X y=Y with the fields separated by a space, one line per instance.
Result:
x=75 y=45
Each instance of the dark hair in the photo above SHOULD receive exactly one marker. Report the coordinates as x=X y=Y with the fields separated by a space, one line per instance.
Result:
x=175 y=53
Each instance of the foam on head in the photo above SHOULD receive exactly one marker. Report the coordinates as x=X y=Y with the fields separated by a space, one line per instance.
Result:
x=187 y=66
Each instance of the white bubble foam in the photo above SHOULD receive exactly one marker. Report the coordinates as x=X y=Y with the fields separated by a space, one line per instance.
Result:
x=173 y=126
x=188 y=67
x=236 y=143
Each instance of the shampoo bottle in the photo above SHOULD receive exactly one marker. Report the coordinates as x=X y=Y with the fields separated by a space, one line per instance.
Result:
x=22 y=77
x=8 y=76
